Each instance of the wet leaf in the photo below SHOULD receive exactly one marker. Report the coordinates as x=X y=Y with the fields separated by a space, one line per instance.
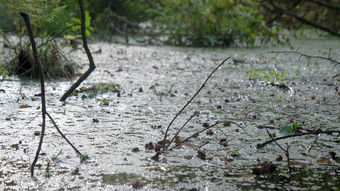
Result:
x=264 y=168
x=137 y=185
x=201 y=154
x=324 y=161
x=214 y=111
x=205 y=125
x=178 y=139
x=247 y=175
x=226 y=123
x=224 y=142
x=234 y=153
x=149 y=146
x=105 y=102
x=289 y=129
x=24 y=106
x=279 y=158
x=78 y=74
x=15 y=146
x=210 y=132
x=156 y=156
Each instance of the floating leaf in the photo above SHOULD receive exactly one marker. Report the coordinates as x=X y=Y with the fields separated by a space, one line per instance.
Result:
x=105 y=102
x=289 y=129
x=234 y=153
x=24 y=106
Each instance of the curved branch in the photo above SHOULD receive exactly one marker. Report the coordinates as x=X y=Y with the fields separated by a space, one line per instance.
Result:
x=305 y=55
x=88 y=53
x=261 y=145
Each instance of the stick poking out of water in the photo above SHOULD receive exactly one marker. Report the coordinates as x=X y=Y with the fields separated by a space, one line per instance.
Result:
x=43 y=98
x=198 y=91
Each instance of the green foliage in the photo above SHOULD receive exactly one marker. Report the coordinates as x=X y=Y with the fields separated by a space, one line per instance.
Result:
x=289 y=129
x=105 y=102
x=45 y=15
x=234 y=153
x=266 y=76
x=3 y=72
x=211 y=23
x=75 y=25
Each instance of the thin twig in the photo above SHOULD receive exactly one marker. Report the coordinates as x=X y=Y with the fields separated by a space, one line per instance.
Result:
x=42 y=87
x=193 y=135
x=63 y=136
x=305 y=55
x=167 y=129
x=261 y=145
x=172 y=140
x=286 y=151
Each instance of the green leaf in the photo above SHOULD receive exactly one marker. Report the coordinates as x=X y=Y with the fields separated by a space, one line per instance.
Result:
x=289 y=129
x=76 y=20
x=105 y=102
x=234 y=153
x=70 y=37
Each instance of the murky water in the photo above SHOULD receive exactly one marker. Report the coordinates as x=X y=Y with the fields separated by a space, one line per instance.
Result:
x=154 y=83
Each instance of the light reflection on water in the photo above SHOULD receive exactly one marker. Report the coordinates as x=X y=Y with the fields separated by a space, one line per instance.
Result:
x=138 y=117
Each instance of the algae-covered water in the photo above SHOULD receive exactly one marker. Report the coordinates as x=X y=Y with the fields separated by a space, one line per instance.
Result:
x=134 y=93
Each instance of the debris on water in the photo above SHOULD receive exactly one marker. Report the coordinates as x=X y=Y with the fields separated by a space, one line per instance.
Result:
x=136 y=149
x=15 y=146
x=178 y=139
x=226 y=123
x=163 y=142
x=36 y=133
x=210 y=132
x=224 y=142
x=279 y=158
x=201 y=154
x=95 y=120
x=137 y=185
x=149 y=146
x=156 y=156
x=264 y=168
x=205 y=124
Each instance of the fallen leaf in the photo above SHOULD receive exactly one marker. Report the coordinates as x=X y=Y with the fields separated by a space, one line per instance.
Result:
x=201 y=154
x=324 y=161
x=137 y=185
x=156 y=156
x=149 y=146
x=178 y=139
x=24 y=106
x=264 y=168
x=78 y=74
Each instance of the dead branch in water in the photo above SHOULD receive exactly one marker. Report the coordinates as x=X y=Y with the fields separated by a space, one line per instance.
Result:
x=261 y=145
x=309 y=57
x=286 y=151
x=42 y=87
x=43 y=98
x=88 y=53
x=193 y=135
x=197 y=92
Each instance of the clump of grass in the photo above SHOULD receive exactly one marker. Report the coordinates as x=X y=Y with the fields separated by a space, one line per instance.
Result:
x=55 y=63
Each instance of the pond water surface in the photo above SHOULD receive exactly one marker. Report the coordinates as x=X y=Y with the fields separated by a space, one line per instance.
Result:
x=154 y=84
